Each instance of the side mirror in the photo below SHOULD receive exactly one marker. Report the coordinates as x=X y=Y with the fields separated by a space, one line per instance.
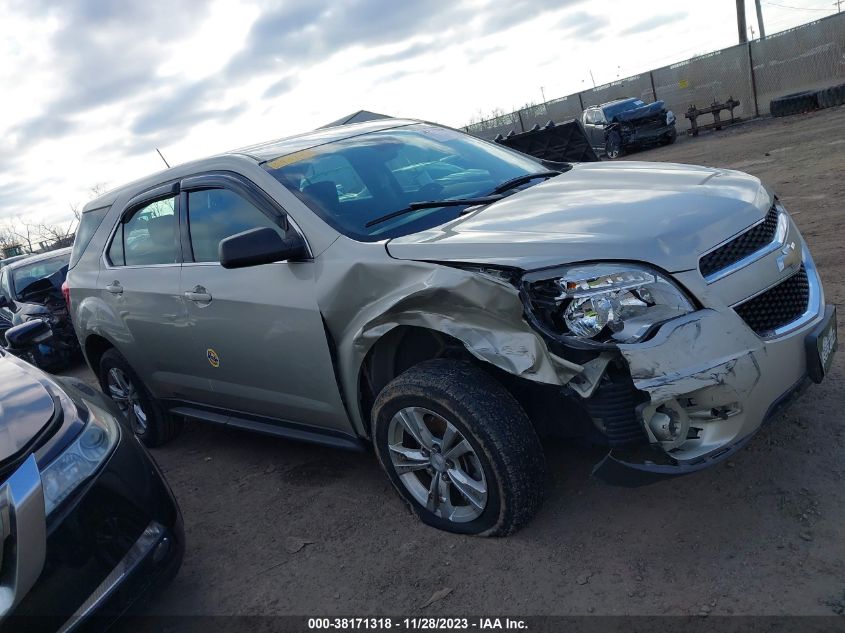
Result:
x=29 y=333
x=259 y=246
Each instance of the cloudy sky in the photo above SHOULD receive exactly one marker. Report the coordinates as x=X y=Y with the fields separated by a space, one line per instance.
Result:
x=91 y=87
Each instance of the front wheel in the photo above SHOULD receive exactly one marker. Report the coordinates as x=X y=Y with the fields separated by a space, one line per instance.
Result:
x=613 y=145
x=459 y=449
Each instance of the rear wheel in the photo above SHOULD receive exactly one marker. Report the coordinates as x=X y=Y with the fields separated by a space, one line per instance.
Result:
x=459 y=449
x=613 y=145
x=146 y=417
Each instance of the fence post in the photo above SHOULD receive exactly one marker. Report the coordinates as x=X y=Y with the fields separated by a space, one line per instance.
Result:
x=521 y=124
x=581 y=101
x=753 y=80
x=653 y=91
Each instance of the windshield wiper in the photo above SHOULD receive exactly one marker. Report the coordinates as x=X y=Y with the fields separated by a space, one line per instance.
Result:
x=521 y=180
x=433 y=204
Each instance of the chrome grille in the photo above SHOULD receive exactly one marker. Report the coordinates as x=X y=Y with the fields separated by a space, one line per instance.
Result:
x=741 y=246
x=778 y=306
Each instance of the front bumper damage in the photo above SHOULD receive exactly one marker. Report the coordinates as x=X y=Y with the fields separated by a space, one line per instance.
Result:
x=647 y=135
x=711 y=384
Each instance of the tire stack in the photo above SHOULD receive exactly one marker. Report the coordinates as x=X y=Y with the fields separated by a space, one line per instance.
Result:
x=808 y=101
x=796 y=103
x=830 y=97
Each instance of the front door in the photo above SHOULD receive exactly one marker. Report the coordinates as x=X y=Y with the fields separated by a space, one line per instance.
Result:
x=257 y=332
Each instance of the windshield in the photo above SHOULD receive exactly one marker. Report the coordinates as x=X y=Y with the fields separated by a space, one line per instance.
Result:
x=612 y=110
x=28 y=274
x=351 y=182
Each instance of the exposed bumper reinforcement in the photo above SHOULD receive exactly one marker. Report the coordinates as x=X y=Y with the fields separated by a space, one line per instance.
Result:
x=647 y=465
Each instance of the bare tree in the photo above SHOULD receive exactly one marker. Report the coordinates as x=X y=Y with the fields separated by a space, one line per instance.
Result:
x=54 y=232
x=26 y=233
x=7 y=236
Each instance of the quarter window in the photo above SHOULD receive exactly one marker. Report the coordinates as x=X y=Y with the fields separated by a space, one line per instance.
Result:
x=215 y=214
x=148 y=237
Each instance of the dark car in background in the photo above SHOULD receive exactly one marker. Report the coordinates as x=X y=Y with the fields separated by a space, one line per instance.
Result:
x=618 y=126
x=88 y=524
x=30 y=289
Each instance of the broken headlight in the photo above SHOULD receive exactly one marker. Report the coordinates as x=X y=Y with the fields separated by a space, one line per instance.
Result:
x=609 y=303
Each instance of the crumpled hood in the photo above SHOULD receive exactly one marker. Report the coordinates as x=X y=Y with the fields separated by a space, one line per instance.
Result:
x=643 y=112
x=664 y=214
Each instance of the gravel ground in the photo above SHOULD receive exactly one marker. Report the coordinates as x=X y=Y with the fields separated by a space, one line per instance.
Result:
x=277 y=527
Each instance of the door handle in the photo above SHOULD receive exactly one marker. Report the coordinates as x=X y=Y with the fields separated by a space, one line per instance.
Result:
x=198 y=295
x=115 y=288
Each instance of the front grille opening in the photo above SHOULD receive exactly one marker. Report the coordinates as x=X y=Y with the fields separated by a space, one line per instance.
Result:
x=778 y=306
x=741 y=246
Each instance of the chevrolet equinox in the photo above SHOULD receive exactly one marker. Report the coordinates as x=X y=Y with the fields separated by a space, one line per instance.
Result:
x=449 y=302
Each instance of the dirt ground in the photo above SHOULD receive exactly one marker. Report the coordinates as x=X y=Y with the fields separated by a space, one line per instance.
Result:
x=277 y=527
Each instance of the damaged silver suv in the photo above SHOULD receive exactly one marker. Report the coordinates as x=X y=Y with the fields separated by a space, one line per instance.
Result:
x=449 y=302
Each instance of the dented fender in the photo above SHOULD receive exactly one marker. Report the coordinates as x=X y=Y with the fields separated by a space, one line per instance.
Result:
x=369 y=299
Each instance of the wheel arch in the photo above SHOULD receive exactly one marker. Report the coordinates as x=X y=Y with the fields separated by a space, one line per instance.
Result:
x=94 y=348
x=407 y=346
x=397 y=351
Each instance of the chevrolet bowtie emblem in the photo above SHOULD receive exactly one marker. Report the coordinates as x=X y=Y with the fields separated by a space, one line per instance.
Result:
x=789 y=257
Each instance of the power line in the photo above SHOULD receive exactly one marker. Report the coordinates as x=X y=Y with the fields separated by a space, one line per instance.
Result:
x=783 y=6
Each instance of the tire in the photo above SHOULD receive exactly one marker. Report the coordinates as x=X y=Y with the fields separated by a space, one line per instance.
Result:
x=613 y=145
x=825 y=97
x=836 y=95
x=501 y=454
x=670 y=138
x=146 y=417
x=796 y=103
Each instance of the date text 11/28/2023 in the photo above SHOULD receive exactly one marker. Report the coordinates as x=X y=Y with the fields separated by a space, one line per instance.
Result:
x=416 y=624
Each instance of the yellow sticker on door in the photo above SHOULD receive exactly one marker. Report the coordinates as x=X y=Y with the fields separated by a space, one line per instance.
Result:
x=212 y=357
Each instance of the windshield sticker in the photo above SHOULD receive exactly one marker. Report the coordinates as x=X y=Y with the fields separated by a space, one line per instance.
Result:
x=212 y=357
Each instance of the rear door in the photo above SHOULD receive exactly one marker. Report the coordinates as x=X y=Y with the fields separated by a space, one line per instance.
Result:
x=257 y=333
x=140 y=284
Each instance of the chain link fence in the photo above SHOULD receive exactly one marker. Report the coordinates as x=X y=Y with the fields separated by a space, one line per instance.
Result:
x=808 y=57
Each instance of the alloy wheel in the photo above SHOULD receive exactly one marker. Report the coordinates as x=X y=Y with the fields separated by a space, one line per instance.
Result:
x=437 y=464
x=128 y=400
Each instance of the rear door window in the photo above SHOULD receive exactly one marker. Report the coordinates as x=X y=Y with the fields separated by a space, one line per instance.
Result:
x=215 y=214
x=148 y=237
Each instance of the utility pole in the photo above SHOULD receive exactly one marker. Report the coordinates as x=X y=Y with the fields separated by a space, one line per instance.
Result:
x=838 y=4
x=740 y=21
x=543 y=92
x=760 y=19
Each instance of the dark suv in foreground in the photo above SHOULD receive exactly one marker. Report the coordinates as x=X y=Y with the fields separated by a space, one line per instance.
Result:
x=618 y=126
x=342 y=287
x=87 y=523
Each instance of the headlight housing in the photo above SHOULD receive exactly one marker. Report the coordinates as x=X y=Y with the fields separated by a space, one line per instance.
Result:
x=82 y=458
x=604 y=302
